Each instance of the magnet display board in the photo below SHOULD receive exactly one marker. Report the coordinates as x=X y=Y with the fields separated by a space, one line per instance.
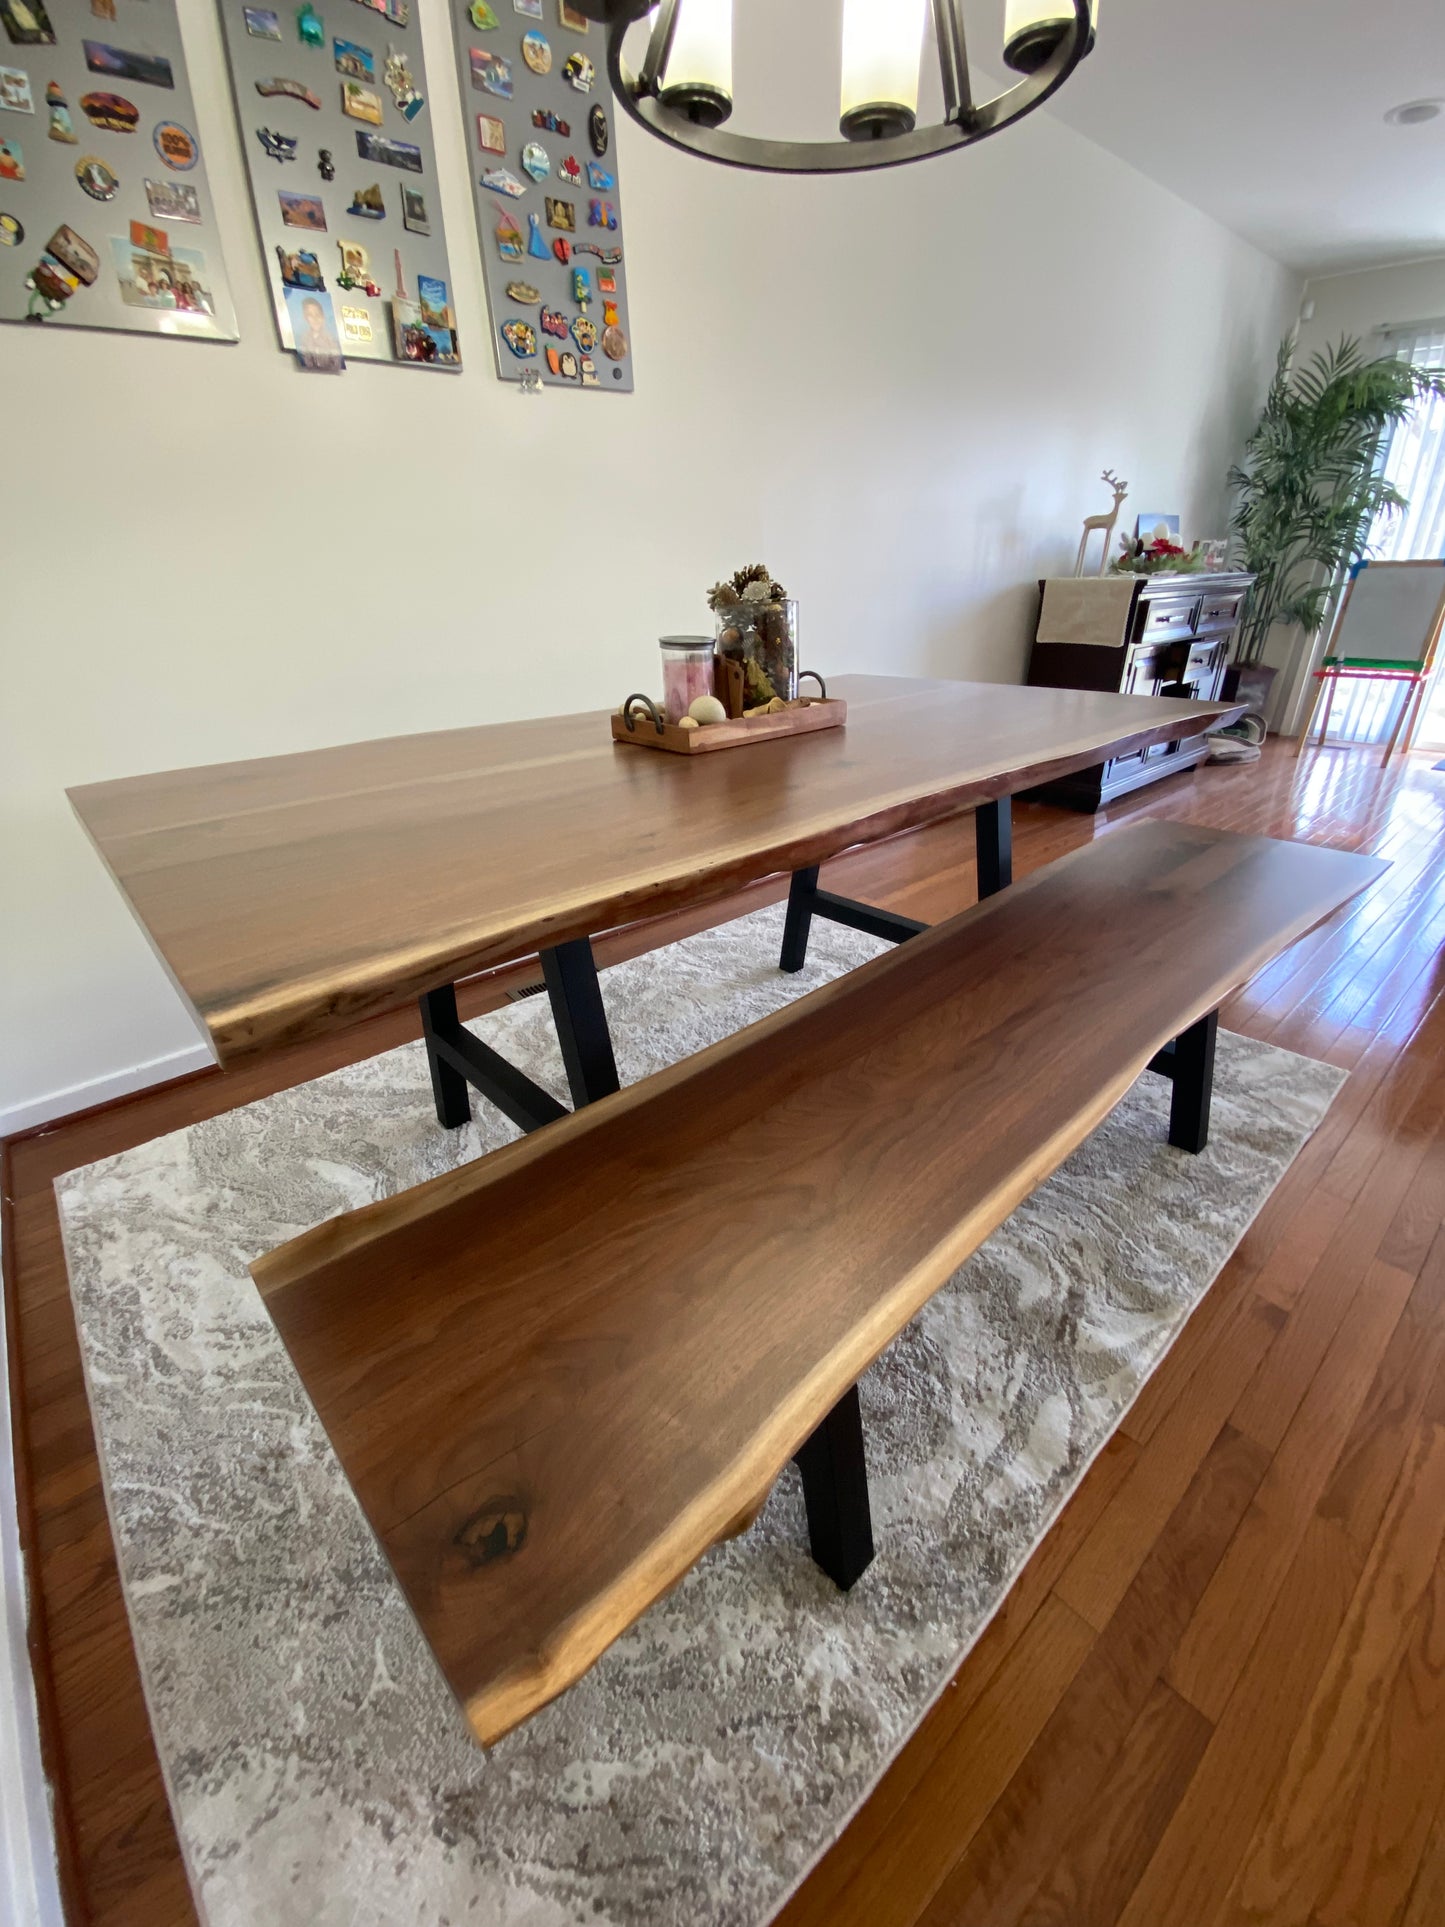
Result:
x=106 y=218
x=1391 y=613
x=539 y=119
x=336 y=124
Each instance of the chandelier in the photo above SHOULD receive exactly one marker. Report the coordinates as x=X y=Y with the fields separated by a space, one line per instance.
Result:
x=683 y=94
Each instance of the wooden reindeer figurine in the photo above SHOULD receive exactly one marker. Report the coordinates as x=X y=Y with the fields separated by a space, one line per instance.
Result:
x=1104 y=522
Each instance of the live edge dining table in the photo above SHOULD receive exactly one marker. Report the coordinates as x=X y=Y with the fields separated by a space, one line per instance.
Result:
x=294 y=895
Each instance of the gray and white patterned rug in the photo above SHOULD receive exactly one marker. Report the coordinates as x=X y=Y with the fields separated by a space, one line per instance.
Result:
x=318 y=1768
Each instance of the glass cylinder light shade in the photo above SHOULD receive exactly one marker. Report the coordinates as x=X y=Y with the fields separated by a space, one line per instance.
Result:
x=698 y=78
x=882 y=49
x=1032 y=29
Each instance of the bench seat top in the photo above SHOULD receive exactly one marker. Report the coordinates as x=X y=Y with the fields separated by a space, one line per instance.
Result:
x=556 y=1376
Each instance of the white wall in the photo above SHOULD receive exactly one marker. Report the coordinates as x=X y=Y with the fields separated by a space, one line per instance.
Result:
x=1358 y=304
x=898 y=390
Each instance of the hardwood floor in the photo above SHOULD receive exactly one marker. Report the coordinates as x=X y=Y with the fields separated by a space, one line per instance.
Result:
x=1217 y=1692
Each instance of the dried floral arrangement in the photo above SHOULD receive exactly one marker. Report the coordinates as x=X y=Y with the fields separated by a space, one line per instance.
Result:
x=1137 y=557
x=754 y=629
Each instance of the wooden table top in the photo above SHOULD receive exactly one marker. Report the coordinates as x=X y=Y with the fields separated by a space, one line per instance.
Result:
x=293 y=895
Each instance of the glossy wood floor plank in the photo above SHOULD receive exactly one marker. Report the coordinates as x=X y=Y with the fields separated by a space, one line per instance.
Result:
x=1154 y=1850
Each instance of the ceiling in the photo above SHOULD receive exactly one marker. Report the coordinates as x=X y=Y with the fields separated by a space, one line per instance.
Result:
x=1268 y=114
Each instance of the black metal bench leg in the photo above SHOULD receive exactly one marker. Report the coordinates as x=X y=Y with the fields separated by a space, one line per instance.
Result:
x=802 y=893
x=570 y=973
x=449 y=1087
x=994 y=845
x=835 y=1490
x=1193 y=1060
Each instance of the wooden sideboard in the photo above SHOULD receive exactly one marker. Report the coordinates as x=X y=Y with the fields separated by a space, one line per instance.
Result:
x=1163 y=635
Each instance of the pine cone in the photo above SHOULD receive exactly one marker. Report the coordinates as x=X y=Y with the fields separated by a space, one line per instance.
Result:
x=722 y=595
x=755 y=572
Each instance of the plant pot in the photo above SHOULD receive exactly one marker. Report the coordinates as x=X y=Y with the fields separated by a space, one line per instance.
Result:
x=1248 y=682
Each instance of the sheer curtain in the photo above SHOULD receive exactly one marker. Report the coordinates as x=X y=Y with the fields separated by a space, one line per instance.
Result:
x=1413 y=459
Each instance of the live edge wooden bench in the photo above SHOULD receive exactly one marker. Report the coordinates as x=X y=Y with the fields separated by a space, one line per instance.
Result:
x=557 y=1376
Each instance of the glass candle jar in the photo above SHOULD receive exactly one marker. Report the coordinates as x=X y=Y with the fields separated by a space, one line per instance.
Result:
x=763 y=637
x=686 y=673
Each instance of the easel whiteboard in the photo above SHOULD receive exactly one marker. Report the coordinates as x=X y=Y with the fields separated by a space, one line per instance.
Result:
x=1392 y=613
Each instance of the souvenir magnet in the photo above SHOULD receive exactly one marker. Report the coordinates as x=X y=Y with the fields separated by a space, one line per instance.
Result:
x=536 y=240
x=572 y=18
x=353 y=61
x=537 y=52
x=589 y=373
x=578 y=72
x=569 y=367
x=355 y=269
x=15 y=91
x=153 y=239
x=530 y=382
x=98 y=180
x=554 y=322
x=172 y=201
x=614 y=343
x=501 y=180
x=581 y=287
x=315 y=336
x=602 y=214
x=280 y=147
x=562 y=248
x=549 y=123
x=610 y=257
x=554 y=361
x=299 y=269
x=303 y=210
x=482 y=17
x=414 y=217
x=509 y=238
x=113 y=112
x=598 y=132
x=520 y=337
x=60 y=123
x=261 y=22
x=523 y=293
x=491 y=74
x=536 y=160
x=356 y=331
x=491 y=134
x=12 y=161
x=401 y=85
x=609 y=314
x=531 y=8
x=310 y=29
x=367 y=204
x=561 y=214
x=12 y=233
x=292 y=89
x=606 y=281
x=360 y=103
x=569 y=171
x=584 y=333
x=325 y=165
x=599 y=178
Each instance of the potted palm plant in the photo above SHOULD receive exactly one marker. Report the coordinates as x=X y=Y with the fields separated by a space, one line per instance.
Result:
x=1309 y=488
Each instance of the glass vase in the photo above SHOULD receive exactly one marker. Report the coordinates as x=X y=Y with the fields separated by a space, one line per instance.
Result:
x=763 y=637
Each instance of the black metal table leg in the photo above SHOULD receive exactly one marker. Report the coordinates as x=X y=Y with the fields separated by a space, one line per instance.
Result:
x=458 y=1059
x=439 y=1020
x=802 y=896
x=835 y=1491
x=570 y=973
x=994 y=844
x=1193 y=1057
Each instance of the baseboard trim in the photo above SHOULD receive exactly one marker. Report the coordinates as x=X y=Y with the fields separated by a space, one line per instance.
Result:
x=38 y=1111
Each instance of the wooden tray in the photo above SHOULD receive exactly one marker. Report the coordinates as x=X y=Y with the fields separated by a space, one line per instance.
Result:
x=808 y=715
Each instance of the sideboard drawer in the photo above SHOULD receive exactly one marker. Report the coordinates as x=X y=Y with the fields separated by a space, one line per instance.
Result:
x=1220 y=611
x=1169 y=617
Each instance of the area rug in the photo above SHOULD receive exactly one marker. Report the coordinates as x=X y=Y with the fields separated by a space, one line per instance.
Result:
x=319 y=1770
